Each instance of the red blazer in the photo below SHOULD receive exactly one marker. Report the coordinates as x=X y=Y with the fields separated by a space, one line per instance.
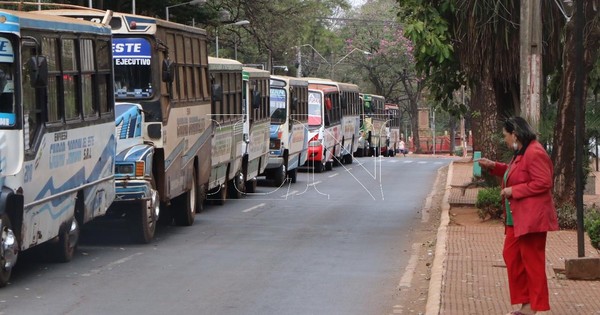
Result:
x=530 y=177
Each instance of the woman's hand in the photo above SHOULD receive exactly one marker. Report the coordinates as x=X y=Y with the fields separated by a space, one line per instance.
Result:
x=485 y=163
x=506 y=192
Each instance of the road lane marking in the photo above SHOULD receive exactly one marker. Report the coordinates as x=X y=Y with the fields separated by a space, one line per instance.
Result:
x=409 y=271
x=255 y=207
x=333 y=175
x=315 y=183
x=289 y=194
x=111 y=265
x=408 y=161
x=422 y=162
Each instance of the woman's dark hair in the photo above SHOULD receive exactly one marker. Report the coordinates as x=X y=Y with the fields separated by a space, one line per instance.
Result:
x=524 y=132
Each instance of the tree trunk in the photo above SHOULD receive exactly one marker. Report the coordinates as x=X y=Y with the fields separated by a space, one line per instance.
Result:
x=563 y=148
x=485 y=116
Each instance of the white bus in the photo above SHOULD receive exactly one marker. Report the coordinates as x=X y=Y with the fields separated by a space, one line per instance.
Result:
x=226 y=177
x=342 y=117
x=373 y=123
x=163 y=66
x=350 y=105
x=325 y=124
x=57 y=134
x=256 y=125
x=288 y=132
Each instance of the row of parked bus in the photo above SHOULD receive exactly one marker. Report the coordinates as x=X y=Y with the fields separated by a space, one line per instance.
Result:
x=189 y=128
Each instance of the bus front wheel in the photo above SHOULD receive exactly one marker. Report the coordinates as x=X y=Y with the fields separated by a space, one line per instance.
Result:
x=144 y=218
x=8 y=249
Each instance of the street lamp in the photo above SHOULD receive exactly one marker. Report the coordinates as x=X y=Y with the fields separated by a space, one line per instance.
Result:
x=348 y=54
x=238 y=23
x=193 y=2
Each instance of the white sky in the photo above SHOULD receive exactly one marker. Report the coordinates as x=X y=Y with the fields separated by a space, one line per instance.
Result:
x=357 y=3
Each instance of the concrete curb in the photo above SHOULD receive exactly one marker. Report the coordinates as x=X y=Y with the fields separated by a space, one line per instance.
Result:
x=434 y=296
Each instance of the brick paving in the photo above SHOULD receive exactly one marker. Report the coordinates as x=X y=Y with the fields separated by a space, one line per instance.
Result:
x=474 y=277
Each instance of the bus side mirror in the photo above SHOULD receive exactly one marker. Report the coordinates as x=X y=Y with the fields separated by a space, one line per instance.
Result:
x=38 y=71
x=168 y=67
x=294 y=103
x=256 y=96
x=216 y=93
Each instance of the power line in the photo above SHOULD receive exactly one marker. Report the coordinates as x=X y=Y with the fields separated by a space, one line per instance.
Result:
x=383 y=22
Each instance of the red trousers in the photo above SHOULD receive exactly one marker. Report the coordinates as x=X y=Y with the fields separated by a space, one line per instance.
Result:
x=525 y=258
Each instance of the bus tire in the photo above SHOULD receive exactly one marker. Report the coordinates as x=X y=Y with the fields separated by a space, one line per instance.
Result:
x=329 y=165
x=200 y=198
x=221 y=194
x=251 y=185
x=279 y=176
x=185 y=211
x=318 y=166
x=68 y=238
x=144 y=218
x=293 y=175
x=237 y=186
x=6 y=233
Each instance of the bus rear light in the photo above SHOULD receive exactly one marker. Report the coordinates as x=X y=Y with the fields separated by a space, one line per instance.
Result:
x=275 y=144
x=139 y=168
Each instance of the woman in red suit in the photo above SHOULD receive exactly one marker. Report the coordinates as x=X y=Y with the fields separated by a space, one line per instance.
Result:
x=530 y=213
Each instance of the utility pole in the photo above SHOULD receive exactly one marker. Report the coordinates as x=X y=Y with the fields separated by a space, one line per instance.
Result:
x=463 y=136
x=530 y=33
x=299 y=60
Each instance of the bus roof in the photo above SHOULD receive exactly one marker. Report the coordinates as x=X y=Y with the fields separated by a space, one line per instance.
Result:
x=323 y=87
x=348 y=87
x=256 y=73
x=125 y=23
x=33 y=20
x=222 y=64
x=290 y=80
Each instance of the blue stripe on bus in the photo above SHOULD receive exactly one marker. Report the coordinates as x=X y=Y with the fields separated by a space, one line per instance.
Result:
x=107 y=157
x=9 y=27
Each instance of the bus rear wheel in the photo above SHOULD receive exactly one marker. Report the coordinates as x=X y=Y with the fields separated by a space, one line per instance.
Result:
x=279 y=175
x=68 y=238
x=185 y=211
x=251 y=185
x=293 y=175
x=237 y=186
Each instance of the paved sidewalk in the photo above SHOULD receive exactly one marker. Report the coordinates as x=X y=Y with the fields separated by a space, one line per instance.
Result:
x=470 y=276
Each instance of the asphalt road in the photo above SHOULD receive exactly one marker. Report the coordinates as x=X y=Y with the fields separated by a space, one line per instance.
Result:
x=332 y=243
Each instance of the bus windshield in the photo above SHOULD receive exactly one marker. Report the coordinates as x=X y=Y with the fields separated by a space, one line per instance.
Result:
x=7 y=86
x=278 y=106
x=314 y=109
x=132 y=60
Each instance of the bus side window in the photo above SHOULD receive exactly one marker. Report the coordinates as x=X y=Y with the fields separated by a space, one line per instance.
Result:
x=32 y=111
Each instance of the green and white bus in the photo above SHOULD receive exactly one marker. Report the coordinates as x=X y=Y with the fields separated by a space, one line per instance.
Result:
x=256 y=125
